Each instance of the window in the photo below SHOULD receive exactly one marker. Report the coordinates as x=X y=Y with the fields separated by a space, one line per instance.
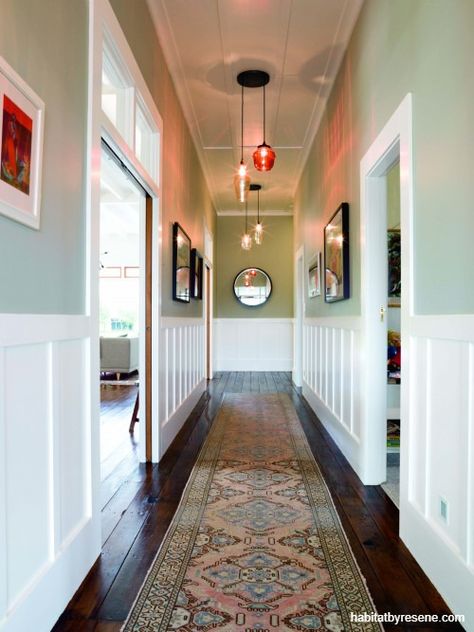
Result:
x=126 y=110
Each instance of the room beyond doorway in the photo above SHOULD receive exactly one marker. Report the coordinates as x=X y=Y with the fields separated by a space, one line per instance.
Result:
x=121 y=288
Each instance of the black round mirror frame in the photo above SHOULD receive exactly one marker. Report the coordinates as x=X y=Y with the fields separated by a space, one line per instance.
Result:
x=268 y=286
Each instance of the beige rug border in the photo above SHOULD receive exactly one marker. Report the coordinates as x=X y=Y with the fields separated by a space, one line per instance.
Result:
x=214 y=436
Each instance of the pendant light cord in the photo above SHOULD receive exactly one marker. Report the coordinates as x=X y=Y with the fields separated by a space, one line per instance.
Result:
x=258 y=206
x=246 y=210
x=264 y=115
x=242 y=127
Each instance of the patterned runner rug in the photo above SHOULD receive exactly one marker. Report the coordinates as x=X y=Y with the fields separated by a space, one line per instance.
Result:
x=256 y=543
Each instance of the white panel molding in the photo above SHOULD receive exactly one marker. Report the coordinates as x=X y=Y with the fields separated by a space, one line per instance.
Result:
x=437 y=454
x=174 y=423
x=3 y=493
x=271 y=347
x=444 y=326
x=37 y=582
x=19 y=329
x=330 y=379
x=182 y=354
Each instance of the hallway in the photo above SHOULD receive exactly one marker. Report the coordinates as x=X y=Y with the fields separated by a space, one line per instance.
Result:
x=369 y=518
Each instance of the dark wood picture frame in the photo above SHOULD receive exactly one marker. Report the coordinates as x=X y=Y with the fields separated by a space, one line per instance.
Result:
x=336 y=256
x=181 y=264
x=197 y=266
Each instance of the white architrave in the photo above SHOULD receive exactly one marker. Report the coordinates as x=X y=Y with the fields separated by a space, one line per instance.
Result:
x=394 y=141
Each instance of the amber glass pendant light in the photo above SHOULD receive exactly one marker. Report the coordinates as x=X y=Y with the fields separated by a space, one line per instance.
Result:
x=264 y=156
x=246 y=241
x=258 y=231
x=242 y=178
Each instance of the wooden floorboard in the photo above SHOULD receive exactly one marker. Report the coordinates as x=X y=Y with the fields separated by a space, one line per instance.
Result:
x=138 y=514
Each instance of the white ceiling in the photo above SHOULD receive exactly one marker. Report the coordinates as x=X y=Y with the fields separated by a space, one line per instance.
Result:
x=300 y=43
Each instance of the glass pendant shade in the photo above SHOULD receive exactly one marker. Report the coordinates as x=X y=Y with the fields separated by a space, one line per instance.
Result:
x=264 y=157
x=242 y=183
x=258 y=234
x=246 y=242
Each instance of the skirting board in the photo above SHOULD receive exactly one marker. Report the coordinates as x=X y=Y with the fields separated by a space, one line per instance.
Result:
x=173 y=424
x=347 y=443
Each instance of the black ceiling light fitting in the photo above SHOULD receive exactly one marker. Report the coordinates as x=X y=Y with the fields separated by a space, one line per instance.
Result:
x=258 y=231
x=263 y=156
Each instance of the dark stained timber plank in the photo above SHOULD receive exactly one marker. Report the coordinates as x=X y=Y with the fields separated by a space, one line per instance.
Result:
x=370 y=520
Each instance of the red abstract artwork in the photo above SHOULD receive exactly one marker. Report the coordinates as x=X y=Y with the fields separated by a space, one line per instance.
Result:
x=16 y=146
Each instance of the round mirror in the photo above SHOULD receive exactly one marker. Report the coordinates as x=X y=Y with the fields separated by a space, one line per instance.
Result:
x=252 y=287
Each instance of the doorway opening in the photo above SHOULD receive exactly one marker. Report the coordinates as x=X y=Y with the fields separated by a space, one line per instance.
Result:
x=125 y=316
x=299 y=315
x=208 y=321
x=392 y=146
x=394 y=339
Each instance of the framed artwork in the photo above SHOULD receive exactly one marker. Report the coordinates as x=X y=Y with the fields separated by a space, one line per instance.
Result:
x=394 y=267
x=196 y=274
x=336 y=256
x=314 y=277
x=21 y=131
x=181 y=265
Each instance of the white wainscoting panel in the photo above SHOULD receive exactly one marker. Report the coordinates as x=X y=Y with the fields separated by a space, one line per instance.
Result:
x=253 y=344
x=28 y=458
x=47 y=543
x=183 y=373
x=437 y=454
x=331 y=379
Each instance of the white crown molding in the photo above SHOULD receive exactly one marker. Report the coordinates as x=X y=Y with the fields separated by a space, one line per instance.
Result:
x=254 y=213
x=173 y=61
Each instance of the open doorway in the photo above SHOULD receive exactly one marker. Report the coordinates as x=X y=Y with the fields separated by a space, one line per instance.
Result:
x=394 y=340
x=123 y=318
x=299 y=315
x=392 y=145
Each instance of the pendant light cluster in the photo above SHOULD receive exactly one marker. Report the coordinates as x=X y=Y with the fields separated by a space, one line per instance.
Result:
x=263 y=157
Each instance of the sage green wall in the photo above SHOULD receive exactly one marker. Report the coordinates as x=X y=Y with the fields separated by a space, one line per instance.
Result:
x=275 y=256
x=46 y=43
x=185 y=195
x=426 y=48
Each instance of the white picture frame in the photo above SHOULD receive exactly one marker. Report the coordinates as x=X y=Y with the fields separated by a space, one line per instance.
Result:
x=21 y=150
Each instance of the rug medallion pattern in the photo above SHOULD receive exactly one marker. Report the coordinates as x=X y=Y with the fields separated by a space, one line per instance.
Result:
x=256 y=544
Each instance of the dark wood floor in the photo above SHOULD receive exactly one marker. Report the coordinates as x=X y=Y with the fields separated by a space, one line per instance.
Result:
x=119 y=466
x=151 y=495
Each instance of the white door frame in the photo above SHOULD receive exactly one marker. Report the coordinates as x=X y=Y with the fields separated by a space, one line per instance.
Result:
x=299 y=317
x=102 y=18
x=208 y=339
x=395 y=140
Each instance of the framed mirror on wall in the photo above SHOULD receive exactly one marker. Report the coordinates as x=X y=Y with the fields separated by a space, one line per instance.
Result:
x=196 y=274
x=252 y=287
x=336 y=256
x=181 y=264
